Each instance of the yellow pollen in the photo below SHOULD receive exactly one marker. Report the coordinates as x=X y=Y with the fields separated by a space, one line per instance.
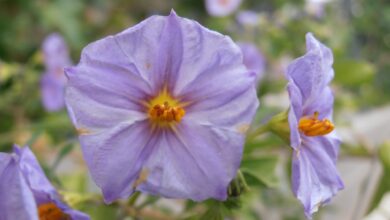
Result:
x=166 y=113
x=164 y=109
x=312 y=126
x=50 y=211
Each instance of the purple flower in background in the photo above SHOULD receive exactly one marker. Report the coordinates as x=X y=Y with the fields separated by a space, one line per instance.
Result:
x=26 y=193
x=220 y=8
x=56 y=57
x=162 y=108
x=253 y=59
x=248 y=18
x=315 y=179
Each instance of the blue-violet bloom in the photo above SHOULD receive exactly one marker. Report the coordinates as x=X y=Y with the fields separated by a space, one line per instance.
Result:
x=56 y=57
x=248 y=18
x=26 y=193
x=315 y=179
x=221 y=8
x=162 y=108
x=253 y=59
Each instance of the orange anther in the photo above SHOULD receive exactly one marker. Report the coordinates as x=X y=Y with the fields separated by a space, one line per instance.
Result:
x=166 y=113
x=50 y=211
x=312 y=126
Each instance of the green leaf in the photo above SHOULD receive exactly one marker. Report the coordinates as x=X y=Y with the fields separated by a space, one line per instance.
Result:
x=76 y=181
x=260 y=171
x=102 y=212
x=353 y=72
x=233 y=203
x=8 y=70
x=214 y=212
x=190 y=205
x=384 y=154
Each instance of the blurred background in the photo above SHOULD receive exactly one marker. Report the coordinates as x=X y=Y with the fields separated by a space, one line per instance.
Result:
x=358 y=32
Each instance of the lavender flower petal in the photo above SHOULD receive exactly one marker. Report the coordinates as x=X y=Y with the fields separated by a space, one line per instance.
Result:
x=315 y=176
x=52 y=92
x=113 y=96
x=55 y=52
x=34 y=175
x=211 y=89
x=56 y=57
x=253 y=59
x=130 y=145
x=17 y=200
x=182 y=161
x=238 y=113
x=76 y=215
x=323 y=102
x=313 y=71
x=4 y=161
x=294 y=114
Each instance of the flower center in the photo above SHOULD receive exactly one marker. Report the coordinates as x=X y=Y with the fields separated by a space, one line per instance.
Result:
x=164 y=109
x=50 y=211
x=166 y=113
x=312 y=126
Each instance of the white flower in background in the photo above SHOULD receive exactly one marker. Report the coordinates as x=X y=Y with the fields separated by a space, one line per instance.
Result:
x=316 y=7
x=220 y=8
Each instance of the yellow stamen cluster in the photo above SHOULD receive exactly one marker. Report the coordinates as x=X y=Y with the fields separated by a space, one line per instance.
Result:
x=166 y=113
x=312 y=126
x=165 y=109
x=50 y=211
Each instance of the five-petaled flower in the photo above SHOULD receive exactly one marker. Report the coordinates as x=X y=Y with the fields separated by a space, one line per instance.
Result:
x=315 y=179
x=162 y=108
x=26 y=193
x=56 y=57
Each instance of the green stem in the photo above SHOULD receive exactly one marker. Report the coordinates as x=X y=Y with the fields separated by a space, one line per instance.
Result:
x=260 y=130
x=237 y=185
x=33 y=138
x=243 y=181
x=66 y=147
x=230 y=189
x=134 y=198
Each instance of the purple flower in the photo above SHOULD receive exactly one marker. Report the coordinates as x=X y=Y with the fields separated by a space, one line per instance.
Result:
x=248 y=18
x=253 y=59
x=315 y=179
x=162 y=108
x=56 y=57
x=220 y=8
x=25 y=191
